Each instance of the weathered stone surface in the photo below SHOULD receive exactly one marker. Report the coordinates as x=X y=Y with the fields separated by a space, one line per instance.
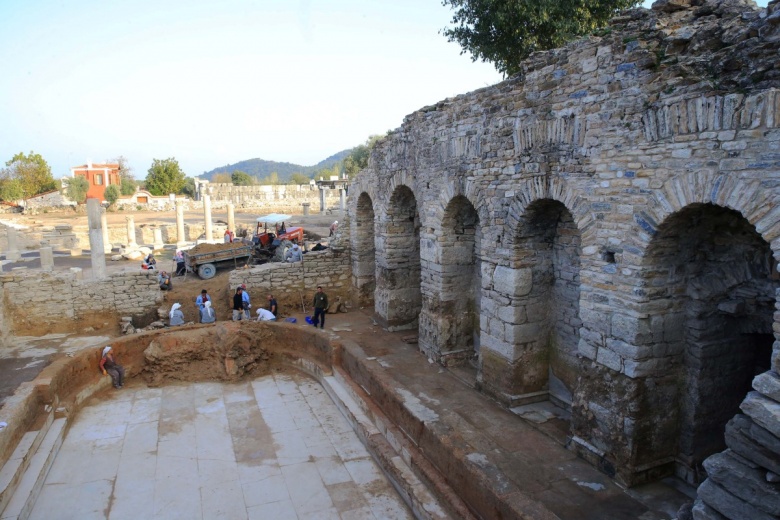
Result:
x=702 y=511
x=729 y=505
x=753 y=442
x=768 y=384
x=764 y=411
x=747 y=483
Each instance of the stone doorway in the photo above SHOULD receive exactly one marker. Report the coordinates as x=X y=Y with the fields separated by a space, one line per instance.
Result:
x=398 y=297
x=364 y=250
x=712 y=291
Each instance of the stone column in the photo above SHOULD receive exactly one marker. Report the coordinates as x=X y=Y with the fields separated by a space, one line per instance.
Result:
x=207 y=216
x=158 y=241
x=342 y=199
x=96 y=238
x=180 y=239
x=231 y=209
x=322 y=200
x=13 y=249
x=104 y=227
x=131 y=243
x=47 y=258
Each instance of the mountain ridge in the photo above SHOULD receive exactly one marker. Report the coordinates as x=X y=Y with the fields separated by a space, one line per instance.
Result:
x=261 y=168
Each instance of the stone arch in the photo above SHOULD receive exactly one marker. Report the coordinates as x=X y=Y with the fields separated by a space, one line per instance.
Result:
x=398 y=295
x=364 y=249
x=534 y=300
x=710 y=283
x=449 y=321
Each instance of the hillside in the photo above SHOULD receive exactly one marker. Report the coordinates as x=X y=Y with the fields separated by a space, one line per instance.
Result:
x=261 y=168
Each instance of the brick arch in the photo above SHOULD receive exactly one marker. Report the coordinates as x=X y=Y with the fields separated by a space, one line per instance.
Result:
x=551 y=188
x=757 y=203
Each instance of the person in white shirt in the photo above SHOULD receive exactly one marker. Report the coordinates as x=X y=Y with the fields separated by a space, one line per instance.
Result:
x=265 y=315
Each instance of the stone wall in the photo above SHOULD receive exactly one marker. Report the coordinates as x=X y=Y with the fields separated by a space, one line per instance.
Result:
x=623 y=193
x=279 y=199
x=37 y=303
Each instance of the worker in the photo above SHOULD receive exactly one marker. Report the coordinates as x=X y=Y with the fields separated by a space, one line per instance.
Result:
x=164 y=280
x=176 y=316
x=273 y=306
x=265 y=315
x=110 y=367
x=293 y=254
x=181 y=268
x=226 y=238
x=334 y=227
x=238 y=305
x=207 y=314
x=320 y=306
x=245 y=302
x=149 y=262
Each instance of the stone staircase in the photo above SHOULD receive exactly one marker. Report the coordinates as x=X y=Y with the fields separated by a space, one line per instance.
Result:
x=23 y=475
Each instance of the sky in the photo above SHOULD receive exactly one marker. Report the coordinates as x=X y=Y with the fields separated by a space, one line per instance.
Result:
x=214 y=83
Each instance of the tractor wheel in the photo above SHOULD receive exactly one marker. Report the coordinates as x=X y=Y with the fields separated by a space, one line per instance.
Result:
x=281 y=250
x=207 y=271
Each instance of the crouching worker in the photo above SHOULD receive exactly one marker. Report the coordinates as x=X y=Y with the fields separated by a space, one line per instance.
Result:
x=207 y=314
x=164 y=279
x=265 y=315
x=112 y=368
x=177 y=317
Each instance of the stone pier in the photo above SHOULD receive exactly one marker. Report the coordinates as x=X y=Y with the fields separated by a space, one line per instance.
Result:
x=342 y=200
x=47 y=258
x=131 y=243
x=96 y=239
x=104 y=227
x=158 y=240
x=13 y=249
x=180 y=241
x=231 y=216
x=207 y=217
x=322 y=201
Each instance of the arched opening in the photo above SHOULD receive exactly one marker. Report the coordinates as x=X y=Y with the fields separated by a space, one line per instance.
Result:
x=548 y=250
x=398 y=298
x=460 y=284
x=711 y=285
x=364 y=250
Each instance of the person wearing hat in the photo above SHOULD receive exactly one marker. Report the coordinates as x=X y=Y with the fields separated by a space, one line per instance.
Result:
x=238 y=304
x=245 y=302
x=294 y=254
x=207 y=314
x=110 y=367
x=334 y=227
x=177 y=317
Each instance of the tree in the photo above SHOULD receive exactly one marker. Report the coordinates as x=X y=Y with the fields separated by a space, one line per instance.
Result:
x=358 y=157
x=10 y=190
x=271 y=179
x=164 y=177
x=77 y=189
x=221 y=178
x=32 y=173
x=506 y=32
x=127 y=180
x=299 y=178
x=127 y=186
x=189 y=187
x=111 y=194
x=240 y=178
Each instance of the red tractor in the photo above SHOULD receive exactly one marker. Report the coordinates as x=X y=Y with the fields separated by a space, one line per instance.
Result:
x=272 y=244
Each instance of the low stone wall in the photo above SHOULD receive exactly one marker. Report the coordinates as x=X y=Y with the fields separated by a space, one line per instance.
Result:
x=38 y=303
x=290 y=283
x=280 y=199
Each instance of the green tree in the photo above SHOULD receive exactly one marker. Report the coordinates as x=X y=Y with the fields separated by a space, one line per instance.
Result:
x=10 y=190
x=128 y=186
x=189 y=187
x=358 y=157
x=240 y=178
x=164 y=177
x=221 y=178
x=506 y=32
x=299 y=178
x=271 y=179
x=77 y=189
x=111 y=194
x=32 y=173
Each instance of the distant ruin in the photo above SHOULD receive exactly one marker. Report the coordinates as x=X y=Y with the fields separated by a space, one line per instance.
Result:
x=603 y=230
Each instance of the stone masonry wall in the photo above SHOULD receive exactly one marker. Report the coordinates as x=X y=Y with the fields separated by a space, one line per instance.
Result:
x=668 y=111
x=36 y=303
x=280 y=199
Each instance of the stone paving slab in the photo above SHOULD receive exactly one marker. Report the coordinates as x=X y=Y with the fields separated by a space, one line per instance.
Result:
x=276 y=447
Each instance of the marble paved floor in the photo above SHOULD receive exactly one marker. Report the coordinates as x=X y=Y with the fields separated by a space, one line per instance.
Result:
x=273 y=448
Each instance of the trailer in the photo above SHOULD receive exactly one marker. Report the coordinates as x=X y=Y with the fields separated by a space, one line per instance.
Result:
x=205 y=258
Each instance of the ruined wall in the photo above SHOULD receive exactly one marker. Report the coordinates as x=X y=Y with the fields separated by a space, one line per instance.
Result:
x=577 y=169
x=282 y=198
x=38 y=303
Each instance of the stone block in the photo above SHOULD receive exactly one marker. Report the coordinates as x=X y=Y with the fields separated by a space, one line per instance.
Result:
x=702 y=511
x=768 y=384
x=744 y=482
x=586 y=349
x=728 y=504
x=514 y=282
x=764 y=411
x=609 y=359
x=753 y=442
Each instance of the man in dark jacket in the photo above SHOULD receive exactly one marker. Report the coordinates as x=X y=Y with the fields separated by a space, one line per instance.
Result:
x=320 y=305
x=238 y=305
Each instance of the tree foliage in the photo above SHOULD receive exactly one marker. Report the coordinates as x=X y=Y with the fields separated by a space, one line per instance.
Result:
x=358 y=156
x=299 y=178
x=127 y=186
x=164 y=177
x=506 y=32
x=127 y=181
x=221 y=178
x=31 y=173
x=239 y=178
x=10 y=190
x=77 y=189
x=271 y=179
x=111 y=194
x=189 y=187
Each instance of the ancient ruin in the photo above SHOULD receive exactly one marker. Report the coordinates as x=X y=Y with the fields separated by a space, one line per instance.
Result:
x=564 y=292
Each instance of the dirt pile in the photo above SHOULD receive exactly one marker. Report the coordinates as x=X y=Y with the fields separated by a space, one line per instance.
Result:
x=214 y=248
